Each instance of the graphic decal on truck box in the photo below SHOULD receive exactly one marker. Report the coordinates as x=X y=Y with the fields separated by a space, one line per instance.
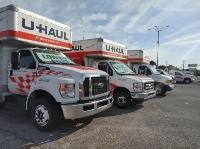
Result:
x=24 y=81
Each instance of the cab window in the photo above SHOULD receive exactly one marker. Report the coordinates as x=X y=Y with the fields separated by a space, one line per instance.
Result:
x=178 y=74
x=105 y=67
x=141 y=70
x=26 y=60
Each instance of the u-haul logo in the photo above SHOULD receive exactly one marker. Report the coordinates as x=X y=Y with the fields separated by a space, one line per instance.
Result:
x=114 y=49
x=77 y=47
x=44 y=29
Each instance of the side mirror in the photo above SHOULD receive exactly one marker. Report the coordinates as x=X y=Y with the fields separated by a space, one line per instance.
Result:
x=15 y=60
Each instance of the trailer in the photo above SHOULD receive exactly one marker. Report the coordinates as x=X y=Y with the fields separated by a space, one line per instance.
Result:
x=107 y=55
x=32 y=66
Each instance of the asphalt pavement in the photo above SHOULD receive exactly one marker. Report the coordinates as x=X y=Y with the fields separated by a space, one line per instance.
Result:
x=172 y=121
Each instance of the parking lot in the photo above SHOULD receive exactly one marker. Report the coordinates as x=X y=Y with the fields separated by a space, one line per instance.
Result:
x=171 y=121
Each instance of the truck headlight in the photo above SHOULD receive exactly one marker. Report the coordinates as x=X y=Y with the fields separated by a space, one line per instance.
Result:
x=168 y=82
x=137 y=87
x=67 y=90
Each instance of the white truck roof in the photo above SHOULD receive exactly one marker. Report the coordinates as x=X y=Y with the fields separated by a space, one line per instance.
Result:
x=100 y=47
x=25 y=26
x=138 y=56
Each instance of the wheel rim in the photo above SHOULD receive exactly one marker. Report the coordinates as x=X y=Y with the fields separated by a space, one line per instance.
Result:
x=158 y=90
x=41 y=115
x=121 y=100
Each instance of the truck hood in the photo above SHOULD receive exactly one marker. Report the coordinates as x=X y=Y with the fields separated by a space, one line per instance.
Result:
x=76 y=71
x=139 y=78
x=161 y=78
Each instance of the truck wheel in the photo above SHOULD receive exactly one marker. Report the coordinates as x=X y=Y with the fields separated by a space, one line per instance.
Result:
x=187 y=81
x=121 y=99
x=44 y=114
x=160 y=90
x=2 y=104
x=138 y=101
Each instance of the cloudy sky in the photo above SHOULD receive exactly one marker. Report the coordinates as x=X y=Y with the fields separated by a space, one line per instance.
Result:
x=128 y=21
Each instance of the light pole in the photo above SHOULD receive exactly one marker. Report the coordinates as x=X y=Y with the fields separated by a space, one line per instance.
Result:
x=183 y=65
x=158 y=30
x=83 y=34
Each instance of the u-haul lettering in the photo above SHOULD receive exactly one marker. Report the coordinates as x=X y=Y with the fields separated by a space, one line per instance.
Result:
x=114 y=49
x=43 y=29
x=77 y=47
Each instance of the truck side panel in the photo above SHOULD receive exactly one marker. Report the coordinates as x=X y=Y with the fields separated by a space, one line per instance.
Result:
x=5 y=54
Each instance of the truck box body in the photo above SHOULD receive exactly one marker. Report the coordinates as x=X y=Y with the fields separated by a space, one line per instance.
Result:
x=137 y=56
x=97 y=47
x=21 y=25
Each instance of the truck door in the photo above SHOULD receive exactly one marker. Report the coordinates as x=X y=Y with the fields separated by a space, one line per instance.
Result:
x=105 y=67
x=21 y=77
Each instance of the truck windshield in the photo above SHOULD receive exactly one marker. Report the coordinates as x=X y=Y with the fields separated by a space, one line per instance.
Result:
x=154 y=70
x=121 y=68
x=52 y=57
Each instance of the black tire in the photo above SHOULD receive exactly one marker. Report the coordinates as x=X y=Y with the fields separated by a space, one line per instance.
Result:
x=187 y=81
x=42 y=109
x=160 y=90
x=121 y=99
x=2 y=104
x=138 y=101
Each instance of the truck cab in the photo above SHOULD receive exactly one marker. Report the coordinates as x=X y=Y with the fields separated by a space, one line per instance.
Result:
x=56 y=87
x=125 y=84
x=163 y=83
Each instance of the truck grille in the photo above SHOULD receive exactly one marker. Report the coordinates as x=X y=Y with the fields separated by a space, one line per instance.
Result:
x=95 y=86
x=148 y=86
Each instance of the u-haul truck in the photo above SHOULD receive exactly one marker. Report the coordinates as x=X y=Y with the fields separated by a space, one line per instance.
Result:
x=53 y=85
x=137 y=57
x=138 y=61
x=106 y=55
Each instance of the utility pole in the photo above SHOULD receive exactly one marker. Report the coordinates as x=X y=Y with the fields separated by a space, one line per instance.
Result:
x=83 y=34
x=183 y=65
x=158 y=30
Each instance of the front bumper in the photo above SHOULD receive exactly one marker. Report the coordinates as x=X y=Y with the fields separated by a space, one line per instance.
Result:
x=169 y=87
x=145 y=95
x=75 y=111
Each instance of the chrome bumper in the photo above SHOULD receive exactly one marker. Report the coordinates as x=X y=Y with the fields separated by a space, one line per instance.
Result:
x=145 y=95
x=75 y=111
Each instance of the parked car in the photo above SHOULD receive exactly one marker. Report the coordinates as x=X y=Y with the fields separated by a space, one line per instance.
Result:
x=181 y=77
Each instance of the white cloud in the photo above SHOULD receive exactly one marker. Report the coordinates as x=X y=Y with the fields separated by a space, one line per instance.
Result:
x=184 y=29
x=183 y=40
x=94 y=17
x=178 y=6
x=143 y=8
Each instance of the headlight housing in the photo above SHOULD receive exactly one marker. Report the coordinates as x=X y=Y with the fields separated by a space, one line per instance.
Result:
x=168 y=81
x=67 y=90
x=137 y=87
